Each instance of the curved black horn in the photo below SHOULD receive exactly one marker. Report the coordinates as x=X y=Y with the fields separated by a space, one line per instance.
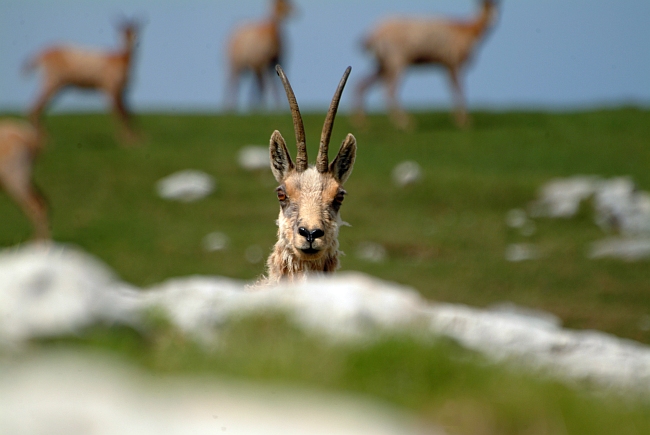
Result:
x=322 y=160
x=298 y=126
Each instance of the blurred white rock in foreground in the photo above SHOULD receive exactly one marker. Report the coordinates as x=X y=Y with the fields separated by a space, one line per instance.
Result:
x=55 y=290
x=74 y=394
x=254 y=157
x=186 y=186
x=49 y=290
x=406 y=172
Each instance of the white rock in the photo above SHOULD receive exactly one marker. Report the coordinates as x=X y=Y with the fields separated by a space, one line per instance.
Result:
x=571 y=355
x=49 y=290
x=345 y=305
x=631 y=249
x=561 y=197
x=186 y=186
x=56 y=290
x=407 y=172
x=516 y=252
x=254 y=157
x=215 y=241
x=254 y=254
x=516 y=218
x=620 y=206
x=371 y=252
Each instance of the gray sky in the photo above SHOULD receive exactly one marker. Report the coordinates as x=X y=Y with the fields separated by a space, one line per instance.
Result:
x=553 y=54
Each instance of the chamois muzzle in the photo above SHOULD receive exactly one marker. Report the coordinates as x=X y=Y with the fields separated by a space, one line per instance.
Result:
x=311 y=235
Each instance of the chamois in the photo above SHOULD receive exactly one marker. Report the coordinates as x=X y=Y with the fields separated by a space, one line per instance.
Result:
x=401 y=42
x=310 y=196
x=257 y=47
x=104 y=71
x=20 y=144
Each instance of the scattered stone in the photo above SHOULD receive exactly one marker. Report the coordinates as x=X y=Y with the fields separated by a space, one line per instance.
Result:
x=215 y=241
x=254 y=157
x=561 y=198
x=620 y=206
x=406 y=172
x=254 y=254
x=371 y=252
x=186 y=186
x=516 y=218
x=630 y=249
x=516 y=252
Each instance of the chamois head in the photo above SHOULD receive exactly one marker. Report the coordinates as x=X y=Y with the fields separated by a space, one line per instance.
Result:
x=489 y=11
x=129 y=29
x=282 y=9
x=310 y=196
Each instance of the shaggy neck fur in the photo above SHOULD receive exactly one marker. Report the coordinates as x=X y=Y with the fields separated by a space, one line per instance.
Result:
x=284 y=264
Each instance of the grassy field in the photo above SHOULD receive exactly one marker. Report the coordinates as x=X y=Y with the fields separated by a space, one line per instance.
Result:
x=446 y=236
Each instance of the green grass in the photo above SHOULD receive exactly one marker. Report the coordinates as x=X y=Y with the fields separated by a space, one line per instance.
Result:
x=445 y=236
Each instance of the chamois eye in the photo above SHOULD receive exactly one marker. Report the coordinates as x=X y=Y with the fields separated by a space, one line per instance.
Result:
x=282 y=196
x=340 y=196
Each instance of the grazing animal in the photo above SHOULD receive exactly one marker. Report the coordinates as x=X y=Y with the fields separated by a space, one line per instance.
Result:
x=257 y=47
x=310 y=196
x=398 y=43
x=104 y=71
x=20 y=144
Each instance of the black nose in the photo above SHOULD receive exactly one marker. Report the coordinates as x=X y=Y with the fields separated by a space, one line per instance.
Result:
x=311 y=235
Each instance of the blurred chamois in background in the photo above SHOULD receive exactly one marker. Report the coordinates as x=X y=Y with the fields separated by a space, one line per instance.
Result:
x=20 y=144
x=398 y=43
x=257 y=47
x=100 y=70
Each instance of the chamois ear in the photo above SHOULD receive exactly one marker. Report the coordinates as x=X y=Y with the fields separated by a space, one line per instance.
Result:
x=281 y=163
x=341 y=167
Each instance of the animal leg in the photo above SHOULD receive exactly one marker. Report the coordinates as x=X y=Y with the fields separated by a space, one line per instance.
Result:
x=30 y=201
x=257 y=93
x=44 y=98
x=123 y=116
x=359 y=118
x=398 y=116
x=232 y=90
x=459 y=99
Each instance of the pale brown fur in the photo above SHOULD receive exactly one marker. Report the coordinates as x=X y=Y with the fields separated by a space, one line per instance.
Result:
x=20 y=144
x=401 y=42
x=310 y=199
x=257 y=47
x=105 y=71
